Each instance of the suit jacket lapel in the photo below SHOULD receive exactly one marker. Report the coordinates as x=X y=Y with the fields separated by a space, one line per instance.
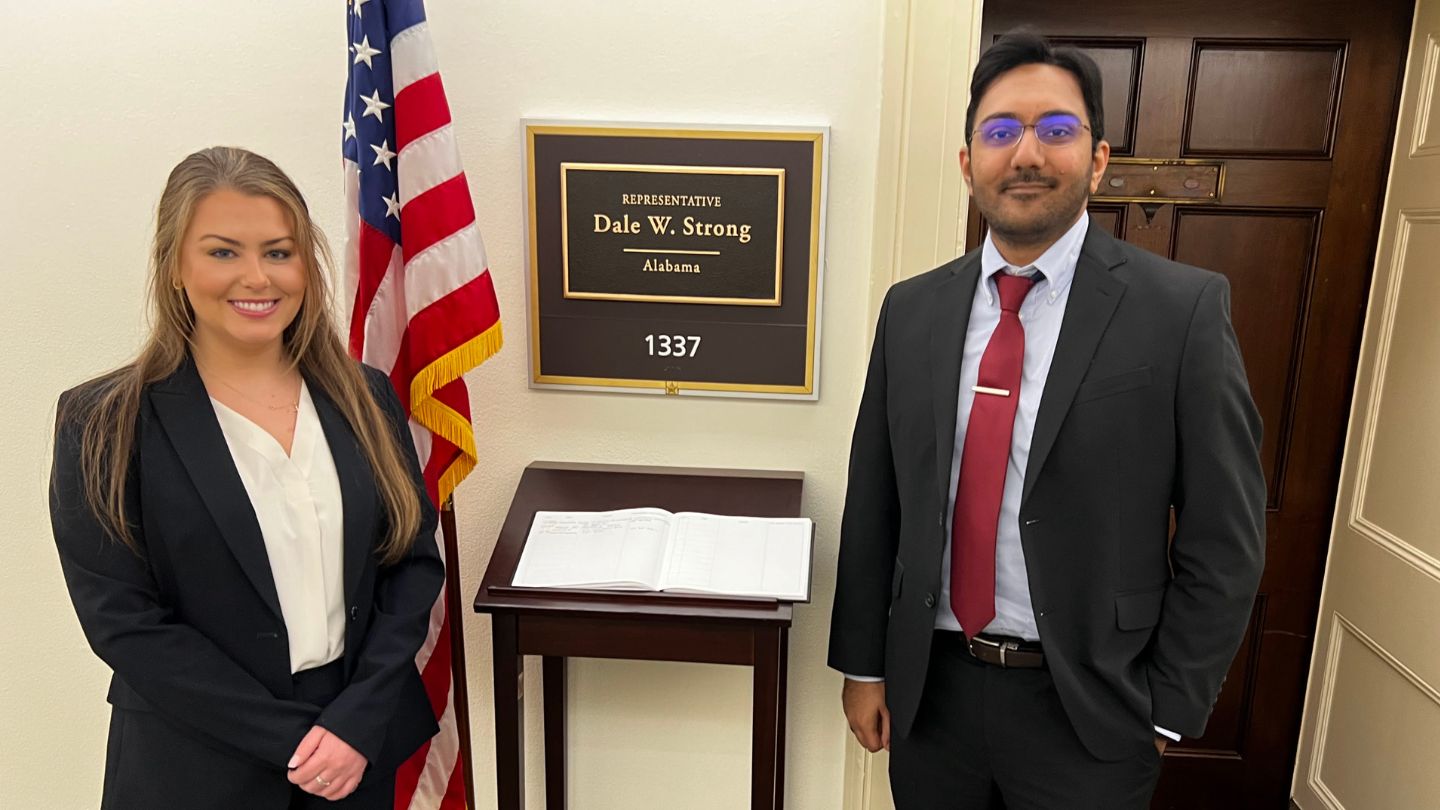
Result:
x=1094 y=294
x=183 y=408
x=949 y=319
x=357 y=487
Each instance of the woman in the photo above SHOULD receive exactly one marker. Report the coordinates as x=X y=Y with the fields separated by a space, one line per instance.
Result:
x=242 y=523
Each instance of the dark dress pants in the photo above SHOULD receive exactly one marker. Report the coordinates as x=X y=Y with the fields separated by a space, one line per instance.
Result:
x=988 y=738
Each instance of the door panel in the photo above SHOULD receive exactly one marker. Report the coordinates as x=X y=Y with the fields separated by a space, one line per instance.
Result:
x=1272 y=253
x=1111 y=217
x=1119 y=61
x=1275 y=100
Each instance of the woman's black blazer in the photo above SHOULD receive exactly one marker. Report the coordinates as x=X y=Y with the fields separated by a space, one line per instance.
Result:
x=192 y=626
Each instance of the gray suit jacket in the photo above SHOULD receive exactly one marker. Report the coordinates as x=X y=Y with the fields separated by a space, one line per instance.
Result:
x=1146 y=407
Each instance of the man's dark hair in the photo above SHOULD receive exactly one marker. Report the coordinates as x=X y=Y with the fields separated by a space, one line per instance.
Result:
x=1027 y=48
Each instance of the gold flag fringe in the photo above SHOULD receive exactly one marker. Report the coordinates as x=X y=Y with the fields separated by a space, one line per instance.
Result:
x=442 y=420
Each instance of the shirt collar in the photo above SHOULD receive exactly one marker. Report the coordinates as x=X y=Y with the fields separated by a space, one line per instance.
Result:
x=1057 y=263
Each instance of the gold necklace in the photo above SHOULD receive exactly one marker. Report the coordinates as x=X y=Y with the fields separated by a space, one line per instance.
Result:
x=291 y=408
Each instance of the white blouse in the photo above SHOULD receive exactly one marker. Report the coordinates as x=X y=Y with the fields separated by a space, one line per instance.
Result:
x=297 y=501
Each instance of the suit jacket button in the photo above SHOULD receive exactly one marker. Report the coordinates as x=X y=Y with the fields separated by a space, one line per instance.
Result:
x=354 y=612
x=929 y=600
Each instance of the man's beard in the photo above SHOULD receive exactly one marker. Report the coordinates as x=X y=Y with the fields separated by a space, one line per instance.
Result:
x=1040 y=224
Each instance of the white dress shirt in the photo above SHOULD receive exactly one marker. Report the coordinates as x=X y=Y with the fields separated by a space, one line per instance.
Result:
x=1040 y=314
x=297 y=502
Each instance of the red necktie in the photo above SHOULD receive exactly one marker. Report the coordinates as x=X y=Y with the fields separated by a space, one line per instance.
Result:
x=983 y=462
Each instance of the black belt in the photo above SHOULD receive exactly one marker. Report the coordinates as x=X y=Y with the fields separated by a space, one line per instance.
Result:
x=1010 y=653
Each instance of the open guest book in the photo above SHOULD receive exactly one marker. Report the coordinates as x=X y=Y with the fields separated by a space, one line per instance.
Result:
x=655 y=550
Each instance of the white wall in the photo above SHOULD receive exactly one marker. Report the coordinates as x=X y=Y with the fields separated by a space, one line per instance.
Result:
x=101 y=98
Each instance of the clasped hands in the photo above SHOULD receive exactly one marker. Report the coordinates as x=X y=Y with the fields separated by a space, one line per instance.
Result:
x=326 y=766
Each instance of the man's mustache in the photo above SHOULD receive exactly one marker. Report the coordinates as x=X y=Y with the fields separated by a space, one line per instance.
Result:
x=1028 y=179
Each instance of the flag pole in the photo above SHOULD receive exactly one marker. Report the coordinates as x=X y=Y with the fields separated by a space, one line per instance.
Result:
x=460 y=692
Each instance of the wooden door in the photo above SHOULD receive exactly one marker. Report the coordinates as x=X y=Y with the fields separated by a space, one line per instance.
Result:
x=1271 y=123
x=1372 y=717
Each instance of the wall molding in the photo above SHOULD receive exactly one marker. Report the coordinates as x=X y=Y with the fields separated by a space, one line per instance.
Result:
x=921 y=201
x=1389 y=302
x=1340 y=628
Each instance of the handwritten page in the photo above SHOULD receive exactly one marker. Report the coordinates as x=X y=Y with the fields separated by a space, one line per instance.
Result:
x=653 y=550
x=620 y=549
x=740 y=556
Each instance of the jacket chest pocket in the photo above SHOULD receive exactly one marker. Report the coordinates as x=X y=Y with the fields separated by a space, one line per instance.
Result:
x=1112 y=384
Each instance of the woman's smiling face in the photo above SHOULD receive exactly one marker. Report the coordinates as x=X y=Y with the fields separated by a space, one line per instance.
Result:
x=241 y=272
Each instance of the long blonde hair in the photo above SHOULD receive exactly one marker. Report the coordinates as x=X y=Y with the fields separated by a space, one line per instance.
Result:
x=105 y=412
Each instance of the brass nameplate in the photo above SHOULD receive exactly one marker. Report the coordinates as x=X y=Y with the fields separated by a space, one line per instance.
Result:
x=679 y=234
x=1181 y=182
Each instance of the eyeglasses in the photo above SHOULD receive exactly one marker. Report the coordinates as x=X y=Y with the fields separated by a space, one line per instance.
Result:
x=1052 y=130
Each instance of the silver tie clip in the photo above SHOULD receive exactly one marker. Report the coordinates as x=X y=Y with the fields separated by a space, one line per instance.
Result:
x=999 y=392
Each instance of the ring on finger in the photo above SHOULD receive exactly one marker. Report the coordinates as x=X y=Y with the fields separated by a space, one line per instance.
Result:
x=322 y=782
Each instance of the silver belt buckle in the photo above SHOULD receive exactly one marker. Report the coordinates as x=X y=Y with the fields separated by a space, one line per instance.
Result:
x=1006 y=647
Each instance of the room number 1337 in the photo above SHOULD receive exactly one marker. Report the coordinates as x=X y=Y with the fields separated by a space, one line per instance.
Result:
x=672 y=345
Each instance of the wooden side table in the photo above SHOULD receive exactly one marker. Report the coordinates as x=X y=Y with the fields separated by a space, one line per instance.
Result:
x=556 y=624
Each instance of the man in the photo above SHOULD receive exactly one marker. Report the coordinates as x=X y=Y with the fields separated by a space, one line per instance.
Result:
x=1014 y=621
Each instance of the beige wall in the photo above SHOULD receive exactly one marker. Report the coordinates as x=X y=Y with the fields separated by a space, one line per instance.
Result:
x=103 y=97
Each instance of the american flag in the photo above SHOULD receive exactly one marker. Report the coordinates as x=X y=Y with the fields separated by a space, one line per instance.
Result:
x=421 y=300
